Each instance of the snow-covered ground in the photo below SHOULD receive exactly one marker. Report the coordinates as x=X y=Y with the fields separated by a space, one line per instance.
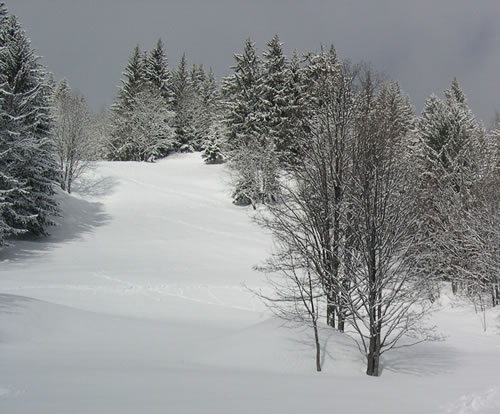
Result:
x=138 y=303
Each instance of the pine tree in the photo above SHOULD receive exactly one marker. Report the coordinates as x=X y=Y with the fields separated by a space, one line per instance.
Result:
x=251 y=150
x=243 y=99
x=27 y=150
x=9 y=186
x=288 y=143
x=119 y=144
x=273 y=85
x=450 y=142
x=210 y=101
x=213 y=153
x=134 y=82
x=183 y=97
x=199 y=113
x=157 y=73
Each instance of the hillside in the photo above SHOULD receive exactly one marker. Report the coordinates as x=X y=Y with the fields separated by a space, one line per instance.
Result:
x=138 y=302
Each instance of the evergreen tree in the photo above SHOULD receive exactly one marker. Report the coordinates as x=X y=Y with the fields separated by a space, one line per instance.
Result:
x=450 y=144
x=157 y=73
x=243 y=98
x=134 y=82
x=183 y=96
x=288 y=143
x=213 y=154
x=251 y=149
x=210 y=101
x=199 y=113
x=27 y=153
x=273 y=90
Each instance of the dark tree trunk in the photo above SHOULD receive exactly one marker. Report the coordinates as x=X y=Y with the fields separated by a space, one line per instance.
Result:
x=313 y=313
x=318 y=347
x=331 y=310
x=373 y=359
x=340 y=320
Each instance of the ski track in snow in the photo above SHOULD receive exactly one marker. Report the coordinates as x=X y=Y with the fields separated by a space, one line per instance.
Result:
x=126 y=288
x=485 y=402
x=205 y=229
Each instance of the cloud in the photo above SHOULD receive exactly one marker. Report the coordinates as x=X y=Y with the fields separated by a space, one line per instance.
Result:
x=423 y=44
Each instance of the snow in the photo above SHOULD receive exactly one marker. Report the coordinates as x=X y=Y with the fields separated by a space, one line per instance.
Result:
x=138 y=303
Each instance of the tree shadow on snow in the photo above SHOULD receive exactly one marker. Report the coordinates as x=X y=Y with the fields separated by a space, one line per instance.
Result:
x=95 y=186
x=424 y=359
x=78 y=217
x=12 y=304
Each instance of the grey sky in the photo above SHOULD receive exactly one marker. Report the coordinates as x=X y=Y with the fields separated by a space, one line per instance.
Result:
x=422 y=44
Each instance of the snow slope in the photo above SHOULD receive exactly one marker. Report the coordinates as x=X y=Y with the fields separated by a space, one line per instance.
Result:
x=137 y=304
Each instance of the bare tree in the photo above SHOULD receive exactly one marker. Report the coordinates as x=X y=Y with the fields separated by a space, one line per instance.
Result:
x=322 y=169
x=71 y=133
x=297 y=293
x=386 y=299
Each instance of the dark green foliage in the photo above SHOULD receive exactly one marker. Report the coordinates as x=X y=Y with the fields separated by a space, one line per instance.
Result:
x=27 y=153
x=157 y=73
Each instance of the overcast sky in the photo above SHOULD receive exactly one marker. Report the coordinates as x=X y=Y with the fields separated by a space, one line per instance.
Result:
x=420 y=43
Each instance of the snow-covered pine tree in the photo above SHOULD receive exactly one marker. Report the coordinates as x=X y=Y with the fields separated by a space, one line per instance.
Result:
x=210 y=101
x=27 y=153
x=8 y=184
x=242 y=98
x=199 y=113
x=252 y=153
x=157 y=72
x=213 y=153
x=450 y=142
x=183 y=97
x=288 y=144
x=134 y=82
x=273 y=87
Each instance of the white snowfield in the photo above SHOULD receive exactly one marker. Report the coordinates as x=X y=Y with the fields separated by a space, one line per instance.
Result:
x=137 y=303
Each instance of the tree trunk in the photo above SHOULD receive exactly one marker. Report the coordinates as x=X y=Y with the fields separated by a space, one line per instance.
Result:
x=331 y=309
x=373 y=359
x=341 y=321
x=318 y=347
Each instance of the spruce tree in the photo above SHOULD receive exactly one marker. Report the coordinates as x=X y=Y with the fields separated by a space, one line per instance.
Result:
x=183 y=96
x=243 y=99
x=200 y=119
x=213 y=153
x=252 y=152
x=273 y=90
x=450 y=144
x=134 y=82
x=288 y=142
x=157 y=73
x=27 y=149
